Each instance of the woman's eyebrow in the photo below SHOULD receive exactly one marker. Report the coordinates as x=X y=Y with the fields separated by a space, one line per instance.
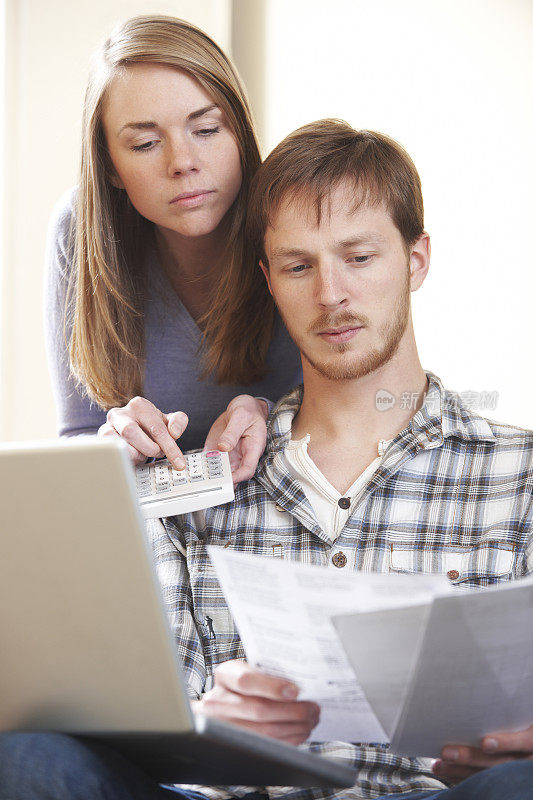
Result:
x=149 y=125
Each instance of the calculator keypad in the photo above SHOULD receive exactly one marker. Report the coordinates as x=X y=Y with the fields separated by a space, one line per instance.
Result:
x=161 y=478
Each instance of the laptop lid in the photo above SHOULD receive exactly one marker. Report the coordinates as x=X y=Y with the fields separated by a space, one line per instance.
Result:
x=94 y=654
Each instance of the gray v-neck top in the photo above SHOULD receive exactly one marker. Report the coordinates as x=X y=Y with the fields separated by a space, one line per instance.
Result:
x=172 y=340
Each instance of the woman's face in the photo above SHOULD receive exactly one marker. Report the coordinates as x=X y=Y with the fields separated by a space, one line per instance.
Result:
x=172 y=149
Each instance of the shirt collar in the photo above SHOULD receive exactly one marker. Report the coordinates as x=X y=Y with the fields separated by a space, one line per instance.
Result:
x=441 y=415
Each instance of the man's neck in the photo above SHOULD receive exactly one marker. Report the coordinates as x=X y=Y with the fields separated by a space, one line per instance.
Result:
x=346 y=420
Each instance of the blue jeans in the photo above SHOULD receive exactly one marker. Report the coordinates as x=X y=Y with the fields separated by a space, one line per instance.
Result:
x=52 y=766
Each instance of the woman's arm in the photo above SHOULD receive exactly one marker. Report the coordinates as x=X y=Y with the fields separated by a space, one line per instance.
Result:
x=75 y=412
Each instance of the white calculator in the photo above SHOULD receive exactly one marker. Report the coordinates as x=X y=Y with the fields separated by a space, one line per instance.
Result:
x=206 y=481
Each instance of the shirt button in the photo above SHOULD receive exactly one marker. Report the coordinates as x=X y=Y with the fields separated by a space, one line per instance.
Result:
x=452 y=574
x=339 y=560
x=279 y=508
x=344 y=502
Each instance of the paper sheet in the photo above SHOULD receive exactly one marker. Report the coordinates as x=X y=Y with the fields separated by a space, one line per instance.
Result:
x=457 y=669
x=283 y=612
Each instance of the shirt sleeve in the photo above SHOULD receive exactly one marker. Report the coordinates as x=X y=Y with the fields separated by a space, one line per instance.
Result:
x=169 y=551
x=76 y=414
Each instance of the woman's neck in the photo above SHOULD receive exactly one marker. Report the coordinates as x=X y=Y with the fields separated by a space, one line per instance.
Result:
x=189 y=264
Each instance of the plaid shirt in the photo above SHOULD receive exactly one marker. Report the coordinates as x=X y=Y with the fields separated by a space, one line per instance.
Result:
x=453 y=494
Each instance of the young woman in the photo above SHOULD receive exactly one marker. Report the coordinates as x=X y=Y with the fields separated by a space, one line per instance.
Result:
x=155 y=306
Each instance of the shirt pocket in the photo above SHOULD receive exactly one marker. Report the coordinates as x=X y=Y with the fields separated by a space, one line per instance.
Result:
x=214 y=622
x=480 y=565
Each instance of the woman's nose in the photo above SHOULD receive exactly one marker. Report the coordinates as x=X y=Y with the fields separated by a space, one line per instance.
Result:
x=181 y=157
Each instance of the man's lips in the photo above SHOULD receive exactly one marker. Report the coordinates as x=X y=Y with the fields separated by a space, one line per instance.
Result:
x=193 y=198
x=342 y=334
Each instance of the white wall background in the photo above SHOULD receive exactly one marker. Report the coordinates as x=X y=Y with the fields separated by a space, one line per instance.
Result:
x=450 y=79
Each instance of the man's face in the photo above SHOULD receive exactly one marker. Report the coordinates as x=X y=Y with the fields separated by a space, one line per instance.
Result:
x=343 y=286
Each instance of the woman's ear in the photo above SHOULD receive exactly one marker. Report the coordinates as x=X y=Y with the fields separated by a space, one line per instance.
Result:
x=419 y=261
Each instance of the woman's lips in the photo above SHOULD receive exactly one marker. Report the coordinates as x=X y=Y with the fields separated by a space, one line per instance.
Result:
x=340 y=335
x=191 y=199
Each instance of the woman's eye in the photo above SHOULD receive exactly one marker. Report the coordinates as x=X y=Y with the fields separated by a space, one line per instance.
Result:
x=208 y=131
x=139 y=148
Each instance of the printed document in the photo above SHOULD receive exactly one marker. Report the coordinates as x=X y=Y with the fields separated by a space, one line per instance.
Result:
x=471 y=672
x=283 y=612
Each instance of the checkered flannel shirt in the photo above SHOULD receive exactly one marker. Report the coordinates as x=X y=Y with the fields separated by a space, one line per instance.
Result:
x=453 y=495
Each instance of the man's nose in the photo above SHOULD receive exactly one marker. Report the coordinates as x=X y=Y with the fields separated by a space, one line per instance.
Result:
x=330 y=290
x=181 y=156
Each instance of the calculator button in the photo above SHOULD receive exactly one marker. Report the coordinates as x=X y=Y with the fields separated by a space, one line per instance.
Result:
x=197 y=477
x=143 y=491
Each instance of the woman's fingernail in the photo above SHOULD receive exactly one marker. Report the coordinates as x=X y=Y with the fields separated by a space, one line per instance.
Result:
x=179 y=463
x=450 y=755
x=490 y=744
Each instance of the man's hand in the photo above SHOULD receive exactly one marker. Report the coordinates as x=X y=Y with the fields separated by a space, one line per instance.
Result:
x=260 y=702
x=241 y=431
x=458 y=762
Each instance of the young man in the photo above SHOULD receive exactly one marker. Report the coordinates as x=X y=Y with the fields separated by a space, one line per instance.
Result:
x=337 y=217
x=425 y=486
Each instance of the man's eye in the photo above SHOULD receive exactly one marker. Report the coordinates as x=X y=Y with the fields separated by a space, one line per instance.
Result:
x=139 y=148
x=299 y=268
x=208 y=131
x=359 y=259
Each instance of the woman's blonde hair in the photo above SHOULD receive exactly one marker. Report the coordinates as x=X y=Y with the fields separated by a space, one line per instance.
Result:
x=107 y=291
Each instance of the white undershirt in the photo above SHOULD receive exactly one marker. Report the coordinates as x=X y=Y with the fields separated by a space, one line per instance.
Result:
x=323 y=497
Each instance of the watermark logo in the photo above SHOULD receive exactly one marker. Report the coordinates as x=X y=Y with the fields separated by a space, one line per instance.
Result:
x=384 y=400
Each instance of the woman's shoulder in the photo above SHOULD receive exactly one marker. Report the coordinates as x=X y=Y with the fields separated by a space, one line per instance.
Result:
x=62 y=216
x=60 y=237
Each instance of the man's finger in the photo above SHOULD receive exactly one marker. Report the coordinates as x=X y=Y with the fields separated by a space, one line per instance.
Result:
x=514 y=742
x=240 y=678
x=224 y=703
x=292 y=733
x=453 y=772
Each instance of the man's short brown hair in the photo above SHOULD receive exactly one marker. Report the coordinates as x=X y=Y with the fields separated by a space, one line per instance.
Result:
x=313 y=160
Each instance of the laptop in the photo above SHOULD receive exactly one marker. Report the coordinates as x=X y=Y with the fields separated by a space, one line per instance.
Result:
x=86 y=646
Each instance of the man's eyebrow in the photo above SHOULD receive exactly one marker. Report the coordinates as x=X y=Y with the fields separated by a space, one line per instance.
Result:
x=287 y=252
x=343 y=244
x=149 y=125
x=365 y=238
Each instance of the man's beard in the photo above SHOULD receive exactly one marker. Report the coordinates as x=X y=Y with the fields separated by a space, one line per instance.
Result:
x=390 y=336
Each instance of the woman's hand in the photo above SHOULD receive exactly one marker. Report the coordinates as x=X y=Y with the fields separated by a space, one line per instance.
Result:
x=260 y=702
x=241 y=431
x=148 y=432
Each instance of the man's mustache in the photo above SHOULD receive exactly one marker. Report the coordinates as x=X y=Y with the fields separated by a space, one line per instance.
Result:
x=339 y=320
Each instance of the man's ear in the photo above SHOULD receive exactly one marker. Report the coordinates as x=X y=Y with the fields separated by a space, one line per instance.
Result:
x=266 y=273
x=419 y=261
